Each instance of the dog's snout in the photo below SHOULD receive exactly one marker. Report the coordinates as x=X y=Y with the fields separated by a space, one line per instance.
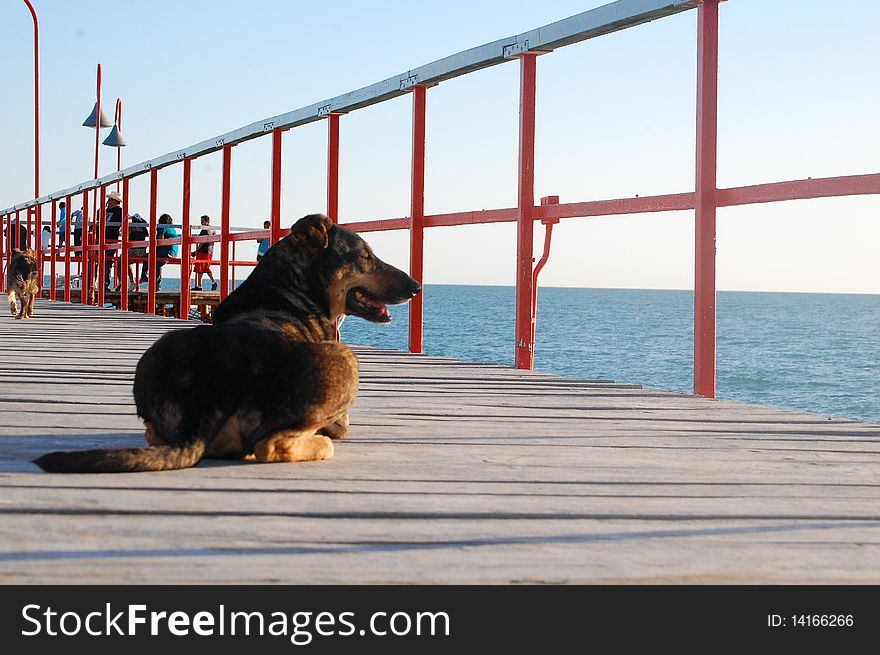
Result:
x=414 y=287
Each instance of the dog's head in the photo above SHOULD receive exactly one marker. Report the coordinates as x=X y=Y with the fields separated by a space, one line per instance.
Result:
x=355 y=281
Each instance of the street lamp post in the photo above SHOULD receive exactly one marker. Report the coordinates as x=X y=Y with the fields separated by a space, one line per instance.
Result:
x=96 y=120
x=115 y=140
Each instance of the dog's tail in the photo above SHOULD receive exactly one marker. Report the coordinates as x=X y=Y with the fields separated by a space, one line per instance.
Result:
x=124 y=460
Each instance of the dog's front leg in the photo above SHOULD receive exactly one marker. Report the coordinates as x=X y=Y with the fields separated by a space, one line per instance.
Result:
x=293 y=446
x=13 y=306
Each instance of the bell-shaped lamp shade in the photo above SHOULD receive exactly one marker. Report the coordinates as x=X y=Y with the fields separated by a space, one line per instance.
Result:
x=90 y=121
x=114 y=139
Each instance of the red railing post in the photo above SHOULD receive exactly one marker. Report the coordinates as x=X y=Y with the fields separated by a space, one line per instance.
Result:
x=185 y=245
x=101 y=227
x=52 y=251
x=275 y=217
x=224 y=222
x=67 y=245
x=232 y=267
x=706 y=198
x=333 y=167
x=417 y=217
x=85 y=268
x=333 y=175
x=525 y=352
x=123 y=256
x=12 y=229
x=38 y=244
x=7 y=254
x=4 y=232
x=30 y=230
x=152 y=258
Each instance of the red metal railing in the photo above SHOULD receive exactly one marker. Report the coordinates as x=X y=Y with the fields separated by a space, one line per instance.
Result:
x=704 y=200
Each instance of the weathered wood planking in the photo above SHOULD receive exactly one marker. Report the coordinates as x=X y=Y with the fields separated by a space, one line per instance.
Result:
x=455 y=472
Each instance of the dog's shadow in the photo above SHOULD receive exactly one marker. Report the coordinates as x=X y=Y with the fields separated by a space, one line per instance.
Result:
x=17 y=452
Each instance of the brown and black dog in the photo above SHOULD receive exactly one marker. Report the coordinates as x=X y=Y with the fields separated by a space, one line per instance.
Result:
x=267 y=378
x=22 y=282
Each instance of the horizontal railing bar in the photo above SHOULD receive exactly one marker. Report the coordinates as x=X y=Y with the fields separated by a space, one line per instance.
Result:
x=822 y=187
x=602 y=20
x=848 y=185
x=826 y=187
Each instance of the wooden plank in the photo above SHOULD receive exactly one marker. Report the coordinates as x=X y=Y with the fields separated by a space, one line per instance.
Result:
x=454 y=472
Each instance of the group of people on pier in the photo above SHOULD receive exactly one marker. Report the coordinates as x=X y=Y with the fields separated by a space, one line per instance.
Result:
x=111 y=220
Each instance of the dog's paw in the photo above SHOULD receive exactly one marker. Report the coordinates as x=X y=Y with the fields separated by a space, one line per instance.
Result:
x=322 y=448
x=290 y=446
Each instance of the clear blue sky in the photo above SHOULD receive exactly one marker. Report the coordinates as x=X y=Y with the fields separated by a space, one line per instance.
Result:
x=798 y=98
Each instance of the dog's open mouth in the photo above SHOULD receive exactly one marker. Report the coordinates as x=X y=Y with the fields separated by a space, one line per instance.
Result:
x=360 y=303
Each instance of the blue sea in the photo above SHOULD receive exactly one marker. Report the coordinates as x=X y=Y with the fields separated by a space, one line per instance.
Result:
x=814 y=352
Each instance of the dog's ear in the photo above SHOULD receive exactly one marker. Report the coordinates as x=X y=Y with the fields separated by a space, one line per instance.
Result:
x=312 y=231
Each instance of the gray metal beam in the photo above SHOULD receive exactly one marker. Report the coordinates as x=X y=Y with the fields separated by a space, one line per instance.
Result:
x=580 y=27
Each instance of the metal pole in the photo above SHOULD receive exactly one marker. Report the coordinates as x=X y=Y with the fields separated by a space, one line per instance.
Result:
x=333 y=167
x=7 y=255
x=185 y=255
x=706 y=201
x=546 y=201
x=275 y=217
x=102 y=244
x=85 y=255
x=151 y=259
x=123 y=257
x=52 y=251
x=36 y=99
x=417 y=216
x=224 y=222
x=524 y=351
x=118 y=118
x=67 y=244
x=6 y=224
x=98 y=121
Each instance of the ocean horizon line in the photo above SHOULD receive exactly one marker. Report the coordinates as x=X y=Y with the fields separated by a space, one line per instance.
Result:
x=511 y=286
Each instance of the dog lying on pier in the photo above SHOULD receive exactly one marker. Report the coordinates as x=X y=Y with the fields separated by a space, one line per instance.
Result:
x=267 y=378
x=22 y=282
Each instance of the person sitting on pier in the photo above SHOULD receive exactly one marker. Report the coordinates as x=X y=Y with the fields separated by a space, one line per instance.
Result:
x=203 y=254
x=46 y=237
x=137 y=231
x=19 y=237
x=164 y=230
x=112 y=224
x=77 y=218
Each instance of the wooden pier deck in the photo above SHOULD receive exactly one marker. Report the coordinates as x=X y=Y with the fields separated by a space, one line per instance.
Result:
x=454 y=473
